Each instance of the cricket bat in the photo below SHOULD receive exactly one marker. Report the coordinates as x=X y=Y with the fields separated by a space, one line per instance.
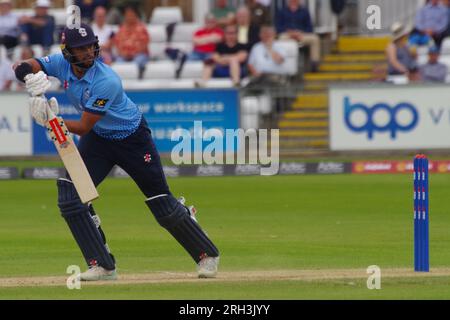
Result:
x=71 y=158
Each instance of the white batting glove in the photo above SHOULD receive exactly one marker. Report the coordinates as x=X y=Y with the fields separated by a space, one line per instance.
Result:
x=38 y=109
x=37 y=83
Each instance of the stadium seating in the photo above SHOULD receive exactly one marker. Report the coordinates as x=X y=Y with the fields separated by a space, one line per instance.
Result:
x=160 y=70
x=166 y=15
x=192 y=70
x=126 y=70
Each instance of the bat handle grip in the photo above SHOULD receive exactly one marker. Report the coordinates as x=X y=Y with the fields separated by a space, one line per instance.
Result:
x=50 y=113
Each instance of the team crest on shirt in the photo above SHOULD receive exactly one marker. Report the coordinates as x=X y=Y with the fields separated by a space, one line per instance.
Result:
x=147 y=157
x=100 y=103
x=47 y=59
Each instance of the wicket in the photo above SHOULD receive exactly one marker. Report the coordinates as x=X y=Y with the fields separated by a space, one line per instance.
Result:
x=421 y=214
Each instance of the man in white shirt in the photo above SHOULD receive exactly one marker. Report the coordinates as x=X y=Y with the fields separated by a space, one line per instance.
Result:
x=104 y=32
x=267 y=56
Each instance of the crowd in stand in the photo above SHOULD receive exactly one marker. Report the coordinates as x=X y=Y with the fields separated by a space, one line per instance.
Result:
x=431 y=28
x=233 y=43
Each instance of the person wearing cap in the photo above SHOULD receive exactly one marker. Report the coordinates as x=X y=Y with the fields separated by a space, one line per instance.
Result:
x=433 y=70
x=399 y=57
x=39 y=28
x=113 y=133
x=9 y=25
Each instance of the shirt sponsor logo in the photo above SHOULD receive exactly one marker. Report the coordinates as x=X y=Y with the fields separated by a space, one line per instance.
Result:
x=100 y=103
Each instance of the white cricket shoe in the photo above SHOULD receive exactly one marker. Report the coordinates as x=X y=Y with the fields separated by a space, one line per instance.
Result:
x=97 y=273
x=207 y=267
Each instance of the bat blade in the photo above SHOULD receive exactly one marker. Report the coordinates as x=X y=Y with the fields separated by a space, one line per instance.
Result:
x=71 y=158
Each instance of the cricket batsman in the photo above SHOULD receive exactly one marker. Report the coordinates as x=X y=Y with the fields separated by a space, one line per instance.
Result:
x=113 y=132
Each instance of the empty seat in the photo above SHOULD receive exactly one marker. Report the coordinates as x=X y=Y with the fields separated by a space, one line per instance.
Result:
x=38 y=50
x=445 y=46
x=445 y=60
x=290 y=65
x=166 y=15
x=160 y=70
x=184 y=32
x=158 y=50
x=157 y=33
x=192 y=70
x=126 y=70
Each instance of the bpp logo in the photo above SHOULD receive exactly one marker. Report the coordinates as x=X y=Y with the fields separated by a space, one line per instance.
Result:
x=371 y=125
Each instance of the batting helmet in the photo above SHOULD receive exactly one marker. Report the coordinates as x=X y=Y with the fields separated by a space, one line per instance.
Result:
x=76 y=38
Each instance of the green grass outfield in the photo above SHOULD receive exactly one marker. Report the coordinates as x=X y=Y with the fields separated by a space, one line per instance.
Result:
x=263 y=225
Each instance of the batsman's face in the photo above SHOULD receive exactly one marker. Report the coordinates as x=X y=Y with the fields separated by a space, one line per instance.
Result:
x=85 y=54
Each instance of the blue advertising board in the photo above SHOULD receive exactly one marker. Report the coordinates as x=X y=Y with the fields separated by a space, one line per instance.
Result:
x=165 y=111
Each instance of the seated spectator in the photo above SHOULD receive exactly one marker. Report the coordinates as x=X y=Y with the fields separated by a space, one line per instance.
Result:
x=7 y=75
x=433 y=71
x=260 y=14
x=9 y=25
x=398 y=54
x=132 y=40
x=414 y=75
x=104 y=32
x=206 y=39
x=228 y=60
x=248 y=33
x=294 y=22
x=266 y=57
x=39 y=29
x=431 y=23
x=87 y=8
x=223 y=13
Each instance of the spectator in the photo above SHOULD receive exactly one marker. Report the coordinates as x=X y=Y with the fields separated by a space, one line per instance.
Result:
x=431 y=23
x=132 y=40
x=248 y=33
x=267 y=57
x=223 y=13
x=399 y=57
x=260 y=14
x=7 y=75
x=414 y=75
x=87 y=8
x=228 y=60
x=433 y=71
x=9 y=25
x=39 y=29
x=294 y=22
x=104 y=32
x=206 y=39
